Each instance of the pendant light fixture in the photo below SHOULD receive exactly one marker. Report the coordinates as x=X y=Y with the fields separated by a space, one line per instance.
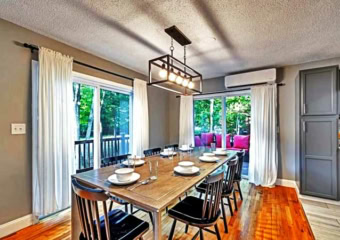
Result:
x=169 y=73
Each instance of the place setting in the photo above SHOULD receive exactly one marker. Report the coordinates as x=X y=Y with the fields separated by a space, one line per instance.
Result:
x=221 y=152
x=136 y=161
x=168 y=152
x=186 y=148
x=186 y=168
x=209 y=157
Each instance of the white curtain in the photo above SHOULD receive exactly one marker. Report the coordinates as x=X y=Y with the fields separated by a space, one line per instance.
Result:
x=263 y=140
x=54 y=156
x=186 y=121
x=140 y=132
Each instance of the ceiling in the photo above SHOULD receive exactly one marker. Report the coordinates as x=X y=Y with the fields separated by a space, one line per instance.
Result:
x=227 y=36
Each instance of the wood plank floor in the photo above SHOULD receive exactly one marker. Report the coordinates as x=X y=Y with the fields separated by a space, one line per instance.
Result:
x=324 y=219
x=265 y=213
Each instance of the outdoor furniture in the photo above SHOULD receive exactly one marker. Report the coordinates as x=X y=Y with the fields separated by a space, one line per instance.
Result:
x=112 y=225
x=198 y=212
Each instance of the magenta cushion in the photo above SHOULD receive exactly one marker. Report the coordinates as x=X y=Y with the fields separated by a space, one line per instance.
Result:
x=218 y=140
x=227 y=138
x=197 y=141
x=207 y=138
x=241 y=141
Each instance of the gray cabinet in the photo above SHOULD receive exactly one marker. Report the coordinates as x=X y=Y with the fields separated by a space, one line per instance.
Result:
x=319 y=174
x=319 y=91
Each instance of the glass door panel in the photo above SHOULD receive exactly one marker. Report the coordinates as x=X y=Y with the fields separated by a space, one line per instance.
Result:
x=115 y=124
x=208 y=122
x=238 y=115
x=83 y=99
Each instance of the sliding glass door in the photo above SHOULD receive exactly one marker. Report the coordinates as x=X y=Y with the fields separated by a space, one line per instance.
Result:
x=115 y=110
x=225 y=121
x=103 y=117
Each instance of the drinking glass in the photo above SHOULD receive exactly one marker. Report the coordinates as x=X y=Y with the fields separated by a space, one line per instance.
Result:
x=131 y=162
x=213 y=146
x=171 y=153
x=153 y=167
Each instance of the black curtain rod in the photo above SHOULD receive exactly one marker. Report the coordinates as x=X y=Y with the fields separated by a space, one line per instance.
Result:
x=36 y=48
x=234 y=90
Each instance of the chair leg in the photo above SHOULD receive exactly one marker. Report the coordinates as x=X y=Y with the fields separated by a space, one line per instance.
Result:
x=166 y=209
x=126 y=208
x=230 y=207
x=201 y=195
x=186 y=228
x=172 y=229
x=239 y=189
x=201 y=235
x=111 y=205
x=131 y=208
x=235 y=201
x=217 y=232
x=150 y=214
x=224 y=217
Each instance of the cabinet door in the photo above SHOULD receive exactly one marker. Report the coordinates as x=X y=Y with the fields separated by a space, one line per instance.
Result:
x=319 y=91
x=319 y=175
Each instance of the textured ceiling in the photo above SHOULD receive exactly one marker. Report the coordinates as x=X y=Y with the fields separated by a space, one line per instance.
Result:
x=228 y=36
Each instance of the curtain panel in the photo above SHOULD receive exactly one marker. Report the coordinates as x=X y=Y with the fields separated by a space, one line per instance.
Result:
x=140 y=131
x=54 y=157
x=186 y=121
x=263 y=162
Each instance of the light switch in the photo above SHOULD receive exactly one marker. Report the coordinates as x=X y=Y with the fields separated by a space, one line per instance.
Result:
x=18 y=128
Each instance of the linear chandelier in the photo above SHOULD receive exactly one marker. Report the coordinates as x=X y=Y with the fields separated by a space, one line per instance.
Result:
x=169 y=73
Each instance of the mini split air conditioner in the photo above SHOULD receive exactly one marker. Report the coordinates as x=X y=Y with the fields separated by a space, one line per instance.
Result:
x=250 y=78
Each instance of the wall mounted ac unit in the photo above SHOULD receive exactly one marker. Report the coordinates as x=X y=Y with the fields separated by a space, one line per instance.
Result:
x=250 y=78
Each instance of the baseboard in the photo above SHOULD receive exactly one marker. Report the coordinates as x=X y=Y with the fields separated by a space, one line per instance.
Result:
x=15 y=225
x=286 y=183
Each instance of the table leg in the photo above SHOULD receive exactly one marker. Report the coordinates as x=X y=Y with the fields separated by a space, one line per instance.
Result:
x=157 y=225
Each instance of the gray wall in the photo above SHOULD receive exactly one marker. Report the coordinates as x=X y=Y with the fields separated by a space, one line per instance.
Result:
x=15 y=105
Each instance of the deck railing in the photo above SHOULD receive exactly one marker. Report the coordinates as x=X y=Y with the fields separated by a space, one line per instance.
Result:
x=109 y=147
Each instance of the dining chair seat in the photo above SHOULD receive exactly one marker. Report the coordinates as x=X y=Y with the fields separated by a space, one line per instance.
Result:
x=190 y=210
x=122 y=226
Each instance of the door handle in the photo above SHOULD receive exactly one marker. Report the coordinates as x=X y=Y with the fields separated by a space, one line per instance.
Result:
x=304 y=108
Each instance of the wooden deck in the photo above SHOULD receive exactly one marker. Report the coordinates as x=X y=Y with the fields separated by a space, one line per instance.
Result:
x=265 y=213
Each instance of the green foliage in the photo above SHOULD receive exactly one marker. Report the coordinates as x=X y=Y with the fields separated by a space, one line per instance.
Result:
x=114 y=112
x=208 y=115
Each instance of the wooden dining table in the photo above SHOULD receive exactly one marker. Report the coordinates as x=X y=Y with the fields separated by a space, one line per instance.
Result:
x=157 y=194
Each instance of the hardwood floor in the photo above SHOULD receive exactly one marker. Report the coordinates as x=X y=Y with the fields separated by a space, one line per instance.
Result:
x=265 y=213
x=324 y=219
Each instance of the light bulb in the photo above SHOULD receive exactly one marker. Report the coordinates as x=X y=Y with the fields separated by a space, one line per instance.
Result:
x=172 y=77
x=185 y=82
x=179 y=79
x=163 y=73
x=191 y=85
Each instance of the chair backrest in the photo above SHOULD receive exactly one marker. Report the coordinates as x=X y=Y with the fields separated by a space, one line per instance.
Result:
x=213 y=195
x=84 y=170
x=114 y=160
x=174 y=146
x=152 y=151
x=87 y=203
x=230 y=175
x=240 y=156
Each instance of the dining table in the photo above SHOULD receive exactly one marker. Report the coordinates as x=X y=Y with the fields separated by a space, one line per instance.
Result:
x=157 y=194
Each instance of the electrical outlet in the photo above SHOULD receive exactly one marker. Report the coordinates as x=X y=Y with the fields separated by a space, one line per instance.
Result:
x=18 y=128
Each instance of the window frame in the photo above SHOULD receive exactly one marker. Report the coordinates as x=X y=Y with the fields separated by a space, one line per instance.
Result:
x=98 y=84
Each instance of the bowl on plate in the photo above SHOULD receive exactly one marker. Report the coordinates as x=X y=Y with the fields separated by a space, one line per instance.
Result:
x=124 y=174
x=186 y=164
x=208 y=154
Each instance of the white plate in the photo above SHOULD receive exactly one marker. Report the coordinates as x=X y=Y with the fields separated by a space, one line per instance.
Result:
x=208 y=154
x=221 y=153
x=167 y=154
x=113 y=179
x=138 y=162
x=208 y=159
x=186 y=164
x=186 y=171
x=186 y=149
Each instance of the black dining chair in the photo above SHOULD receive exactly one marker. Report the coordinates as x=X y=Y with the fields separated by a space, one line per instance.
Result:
x=114 y=224
x=152 y=152
x=201 y=213
x=238 y=174
x=114 y=160
x=174 y=146
x=228 y=188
